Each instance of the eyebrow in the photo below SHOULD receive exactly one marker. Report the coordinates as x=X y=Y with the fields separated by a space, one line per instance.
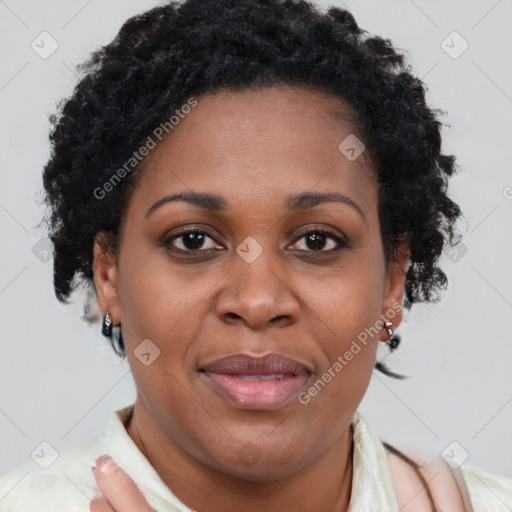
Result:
x=295 y=202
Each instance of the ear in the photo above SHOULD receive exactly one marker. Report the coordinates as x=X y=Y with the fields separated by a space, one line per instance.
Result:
x=105 y=277
x=395 y=288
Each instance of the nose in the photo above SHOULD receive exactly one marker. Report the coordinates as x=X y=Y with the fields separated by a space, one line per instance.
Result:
x=257 y=295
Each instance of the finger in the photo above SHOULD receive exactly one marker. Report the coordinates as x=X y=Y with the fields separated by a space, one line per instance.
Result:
x=100 y=505
x=118 y=488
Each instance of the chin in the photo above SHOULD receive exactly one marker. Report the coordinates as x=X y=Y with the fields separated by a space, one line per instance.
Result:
x=252 y=464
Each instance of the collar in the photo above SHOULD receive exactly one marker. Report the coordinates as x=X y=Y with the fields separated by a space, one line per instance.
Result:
x=372 y=483
x=127 y=454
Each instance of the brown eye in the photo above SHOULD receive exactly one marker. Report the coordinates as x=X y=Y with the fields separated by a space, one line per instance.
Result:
x=319 y=241
x=190 y=241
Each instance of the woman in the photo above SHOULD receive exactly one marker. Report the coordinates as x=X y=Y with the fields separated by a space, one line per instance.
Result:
x=253 y=191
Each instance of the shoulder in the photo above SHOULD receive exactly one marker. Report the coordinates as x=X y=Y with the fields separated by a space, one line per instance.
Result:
x=467 y=488
x=427 y=488
x=58 y=481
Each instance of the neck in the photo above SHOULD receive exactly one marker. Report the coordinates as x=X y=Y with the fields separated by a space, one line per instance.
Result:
x=323 y=485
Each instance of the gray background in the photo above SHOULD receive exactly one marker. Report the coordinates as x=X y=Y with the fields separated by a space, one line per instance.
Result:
x=59 y=379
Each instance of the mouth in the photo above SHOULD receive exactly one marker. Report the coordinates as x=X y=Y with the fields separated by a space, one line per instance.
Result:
x=257 y=383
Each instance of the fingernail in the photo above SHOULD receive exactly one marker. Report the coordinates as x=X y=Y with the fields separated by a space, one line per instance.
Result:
x=102 y=463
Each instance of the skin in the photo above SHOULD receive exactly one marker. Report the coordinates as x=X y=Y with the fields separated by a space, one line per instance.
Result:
x=253 y=148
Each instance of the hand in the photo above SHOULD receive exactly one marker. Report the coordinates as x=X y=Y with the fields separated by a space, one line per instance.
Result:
x=120 y=493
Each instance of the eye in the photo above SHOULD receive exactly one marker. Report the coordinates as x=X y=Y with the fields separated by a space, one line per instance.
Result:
x=320 y=240
x=195 y=241
x=191 y=241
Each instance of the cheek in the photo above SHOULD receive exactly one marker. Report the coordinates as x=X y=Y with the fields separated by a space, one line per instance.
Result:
x=157 y=300
x=349 y=302
x=350 y=306
x=163 y=311
x=340 y=384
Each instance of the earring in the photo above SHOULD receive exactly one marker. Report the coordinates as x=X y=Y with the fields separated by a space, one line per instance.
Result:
x=392 y=342
x=106 y=328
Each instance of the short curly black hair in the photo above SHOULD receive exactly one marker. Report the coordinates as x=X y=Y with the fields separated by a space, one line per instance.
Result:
x=163 y=57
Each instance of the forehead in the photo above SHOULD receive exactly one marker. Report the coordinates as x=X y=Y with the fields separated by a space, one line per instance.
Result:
x=260 y=145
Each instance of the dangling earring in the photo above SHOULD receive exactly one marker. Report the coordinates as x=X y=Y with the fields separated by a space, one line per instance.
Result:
x=106 y=328
x=392 y=342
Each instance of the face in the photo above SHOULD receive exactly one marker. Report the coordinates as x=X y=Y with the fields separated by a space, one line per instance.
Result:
x=255 y=298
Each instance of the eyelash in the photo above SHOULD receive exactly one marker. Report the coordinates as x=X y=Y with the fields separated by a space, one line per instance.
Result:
x=341 y=243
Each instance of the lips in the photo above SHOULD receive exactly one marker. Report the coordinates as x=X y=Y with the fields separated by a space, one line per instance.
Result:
x=258 y=383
